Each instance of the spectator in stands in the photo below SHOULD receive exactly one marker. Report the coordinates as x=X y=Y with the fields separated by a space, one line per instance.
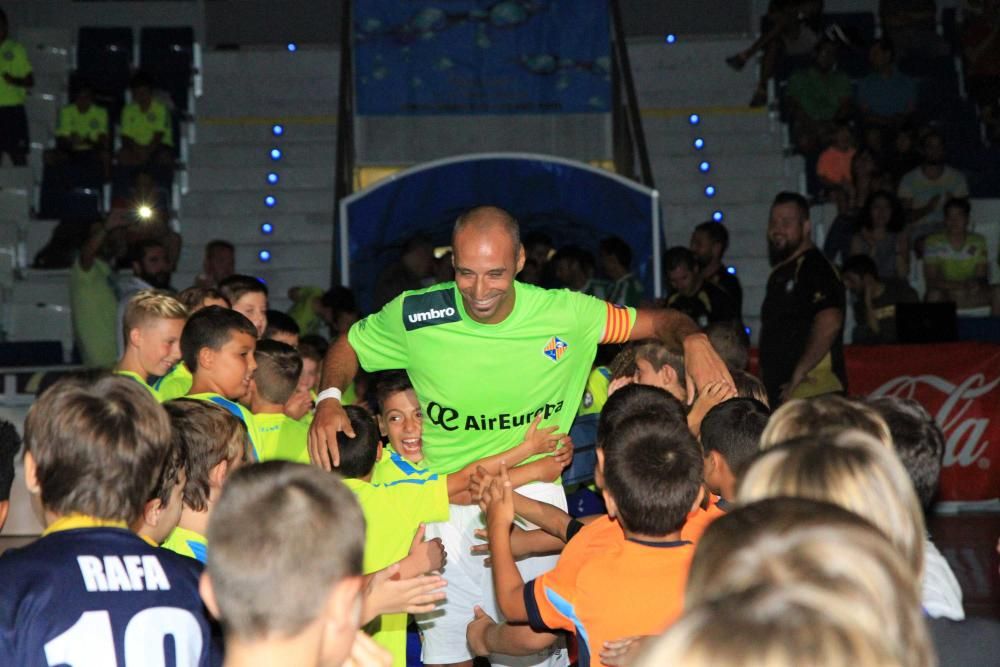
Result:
x=616 y=260
x=956 y=262
x=904 y=156
x=150 y=270
x=147 y=129
x=574 y=269
x=793 y=31
x=709 y=242
x=538 y=246
x=882 y=238
x=538 y=250
x=874 y=300
x=219 y=263
x=414 y=270
x=802 y=317
x=817 y=97
x=82 y=136
x=834 y=167
x=15 y=79
x=924 y=190
x=702 y=301
x=886 y=97
x=93 y=301
x=866 y=177
x=912 y=26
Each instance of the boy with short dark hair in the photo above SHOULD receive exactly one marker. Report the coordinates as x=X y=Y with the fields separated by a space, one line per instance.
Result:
x=177 y=382
x=281 y=327
x=652 y=480
x=278 y=435
x=248 y=296
x=151 y=325
x=730 y=437
x=272 y=609
x=90 y=587
x=218 y=346
x=215 y=443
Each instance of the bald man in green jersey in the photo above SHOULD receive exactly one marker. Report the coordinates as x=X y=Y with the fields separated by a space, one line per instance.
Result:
x=485 y=354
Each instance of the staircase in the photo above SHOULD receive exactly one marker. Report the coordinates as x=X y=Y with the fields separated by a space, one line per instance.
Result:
x=743 y=147
x=248 y=93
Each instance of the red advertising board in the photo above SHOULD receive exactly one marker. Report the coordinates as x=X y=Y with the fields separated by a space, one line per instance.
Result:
x=959 y=384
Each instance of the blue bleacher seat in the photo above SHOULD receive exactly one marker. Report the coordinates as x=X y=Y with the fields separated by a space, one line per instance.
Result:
x=168 y=55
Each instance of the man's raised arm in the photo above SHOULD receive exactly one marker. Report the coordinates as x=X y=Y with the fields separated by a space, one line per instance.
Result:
x=702 y=363
x=339 y=368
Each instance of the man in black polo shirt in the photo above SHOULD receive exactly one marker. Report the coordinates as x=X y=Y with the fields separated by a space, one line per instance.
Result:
x=702 y=301
x=802 y=319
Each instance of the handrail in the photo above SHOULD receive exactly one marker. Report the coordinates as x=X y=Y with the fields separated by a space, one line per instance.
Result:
x=634 y=136
x=344 y=174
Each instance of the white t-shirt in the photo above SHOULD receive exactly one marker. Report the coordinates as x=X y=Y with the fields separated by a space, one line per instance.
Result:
x=942 y=596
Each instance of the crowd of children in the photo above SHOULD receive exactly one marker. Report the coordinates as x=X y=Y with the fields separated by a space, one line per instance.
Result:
x=179 y=501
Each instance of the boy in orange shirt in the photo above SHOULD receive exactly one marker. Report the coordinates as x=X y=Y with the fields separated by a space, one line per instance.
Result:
x=652 y=480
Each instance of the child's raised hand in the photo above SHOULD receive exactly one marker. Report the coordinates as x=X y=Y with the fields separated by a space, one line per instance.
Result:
x=387 y=593
x=478 y=483
x=541 y=440
x=564 y=455
x=499 y=502
x=618 y=383
x=427 y=555
x=475 y=632
x=710 y=395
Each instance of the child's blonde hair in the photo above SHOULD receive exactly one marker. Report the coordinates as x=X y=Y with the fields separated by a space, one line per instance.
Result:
x=770 y=626
x=788 y=541
x=801 y=417
x=851 y=469
x=148 y=305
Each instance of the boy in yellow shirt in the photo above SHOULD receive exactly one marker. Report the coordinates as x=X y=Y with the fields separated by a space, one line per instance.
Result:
x=217 y=345
x=215 y=443
x=152 y=325
x=279 y=437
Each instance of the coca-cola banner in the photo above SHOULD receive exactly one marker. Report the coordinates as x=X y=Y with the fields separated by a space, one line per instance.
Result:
x=958 y=384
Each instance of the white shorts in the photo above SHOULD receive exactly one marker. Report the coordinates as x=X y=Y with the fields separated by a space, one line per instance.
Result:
x=471 y=584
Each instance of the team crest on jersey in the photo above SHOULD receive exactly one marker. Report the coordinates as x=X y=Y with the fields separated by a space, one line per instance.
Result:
x=151 y=117
x=8 y=55
x=93 y=123
x=555 y=348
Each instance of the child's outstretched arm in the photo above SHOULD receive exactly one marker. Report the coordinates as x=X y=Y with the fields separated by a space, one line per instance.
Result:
x=486 y=636
x=507 y=583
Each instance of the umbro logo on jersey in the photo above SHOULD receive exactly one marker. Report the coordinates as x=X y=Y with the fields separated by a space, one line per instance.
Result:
x=429 y=309
x=431 y=314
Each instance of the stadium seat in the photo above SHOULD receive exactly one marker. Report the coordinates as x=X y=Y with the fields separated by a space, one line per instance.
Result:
x=167 y=54
x=104 y=58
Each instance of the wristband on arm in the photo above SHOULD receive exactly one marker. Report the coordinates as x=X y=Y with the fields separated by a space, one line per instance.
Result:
x=331 y=392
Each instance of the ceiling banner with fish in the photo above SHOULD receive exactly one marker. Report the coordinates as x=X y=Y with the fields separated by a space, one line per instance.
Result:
x=430 y=57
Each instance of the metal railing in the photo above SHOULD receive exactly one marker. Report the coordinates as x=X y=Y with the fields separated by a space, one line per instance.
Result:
x=344 y=174
x=631 y=155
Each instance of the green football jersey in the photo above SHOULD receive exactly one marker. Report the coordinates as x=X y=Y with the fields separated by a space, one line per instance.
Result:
x=175 y=384
x=138 y=378
x=281 y=438
x=480 y=385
